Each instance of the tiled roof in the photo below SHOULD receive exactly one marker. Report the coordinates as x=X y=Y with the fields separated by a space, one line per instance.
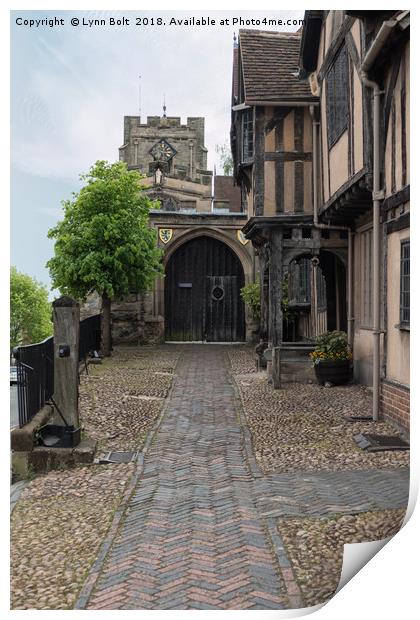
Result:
x=224 y=189
x=269 y=62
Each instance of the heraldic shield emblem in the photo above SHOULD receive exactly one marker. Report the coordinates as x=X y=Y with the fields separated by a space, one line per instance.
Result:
x=165 y=234
x=241 y=237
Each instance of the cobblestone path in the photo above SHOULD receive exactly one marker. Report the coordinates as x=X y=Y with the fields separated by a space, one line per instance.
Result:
x=200 y=528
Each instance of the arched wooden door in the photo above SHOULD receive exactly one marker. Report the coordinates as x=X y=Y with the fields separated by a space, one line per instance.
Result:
x=202 y=293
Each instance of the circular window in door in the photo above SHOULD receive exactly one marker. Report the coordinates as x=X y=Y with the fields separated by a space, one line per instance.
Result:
x=217 y=293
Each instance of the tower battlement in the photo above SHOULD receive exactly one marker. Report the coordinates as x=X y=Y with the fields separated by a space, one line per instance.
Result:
x=165 y=142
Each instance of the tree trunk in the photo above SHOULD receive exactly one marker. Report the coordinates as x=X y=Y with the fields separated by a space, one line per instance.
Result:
x=106 y=326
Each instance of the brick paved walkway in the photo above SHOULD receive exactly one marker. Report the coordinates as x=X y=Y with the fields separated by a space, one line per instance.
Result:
x=200 y=528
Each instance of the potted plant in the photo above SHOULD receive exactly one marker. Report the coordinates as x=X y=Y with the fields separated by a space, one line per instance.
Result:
x=332 y=358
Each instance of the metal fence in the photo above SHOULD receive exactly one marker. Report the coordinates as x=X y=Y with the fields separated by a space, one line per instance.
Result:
x=35 y=368
x=35 y=377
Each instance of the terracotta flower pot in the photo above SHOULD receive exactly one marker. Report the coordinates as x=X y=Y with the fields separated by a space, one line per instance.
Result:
x=335 y=372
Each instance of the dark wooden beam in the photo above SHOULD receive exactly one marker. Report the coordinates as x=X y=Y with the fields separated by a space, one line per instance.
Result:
x=400 y=223
x=389 y=97
x=275 y=297
x=396 y=199
x=403 y=122
x=393 y=147
x=279 y=167
x=299 y=187
x=263 y=265
x=259 y=139
x=288 y=156
x=298 y=167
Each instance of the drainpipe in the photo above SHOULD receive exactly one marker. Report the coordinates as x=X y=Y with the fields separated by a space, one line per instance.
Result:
x=377 y=196
x=317 y=224
x=350 y=317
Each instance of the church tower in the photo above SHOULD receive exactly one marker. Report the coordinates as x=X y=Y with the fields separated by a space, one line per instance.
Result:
x=173 y=158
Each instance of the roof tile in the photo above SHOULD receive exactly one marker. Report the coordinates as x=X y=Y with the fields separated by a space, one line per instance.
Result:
x=270 y=62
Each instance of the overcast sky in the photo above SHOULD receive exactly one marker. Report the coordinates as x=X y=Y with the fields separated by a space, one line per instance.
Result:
x=71 y=87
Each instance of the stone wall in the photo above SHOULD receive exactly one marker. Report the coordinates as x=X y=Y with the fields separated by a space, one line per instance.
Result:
x=90 y=307
x=140 y=138
x=127 y=319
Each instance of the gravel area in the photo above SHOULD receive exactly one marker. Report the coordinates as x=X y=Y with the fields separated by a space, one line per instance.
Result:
x=121 y=398
x=302 y=427
x=315 y=546
x=62 y=517
x=242 y=359
x=56 y=529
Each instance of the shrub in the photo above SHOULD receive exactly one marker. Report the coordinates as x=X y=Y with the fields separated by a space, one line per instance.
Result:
x=251 y=297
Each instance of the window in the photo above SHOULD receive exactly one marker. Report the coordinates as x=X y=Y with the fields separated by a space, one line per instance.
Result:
x=321 y=288
x=366 y=273
x=337 y=97
x=405 y=284
x=300 y=282
x=247 y=135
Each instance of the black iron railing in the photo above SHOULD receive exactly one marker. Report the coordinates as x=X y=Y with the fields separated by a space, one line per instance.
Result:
x=35 y=377
x=35 y=368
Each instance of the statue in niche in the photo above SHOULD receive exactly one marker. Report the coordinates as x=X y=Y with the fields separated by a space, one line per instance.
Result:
x=158 y=176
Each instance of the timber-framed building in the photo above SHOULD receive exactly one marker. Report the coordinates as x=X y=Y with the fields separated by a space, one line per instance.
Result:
x=329 y=213
x=273 y=115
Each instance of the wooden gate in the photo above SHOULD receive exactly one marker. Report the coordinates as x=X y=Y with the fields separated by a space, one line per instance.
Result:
x=202 y=293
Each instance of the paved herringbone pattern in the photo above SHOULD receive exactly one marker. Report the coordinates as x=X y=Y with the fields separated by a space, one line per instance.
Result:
x=200 y=528
x=192 y=537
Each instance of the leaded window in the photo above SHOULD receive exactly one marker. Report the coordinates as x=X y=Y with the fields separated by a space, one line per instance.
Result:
x=405 y=284
x=300 y=282
x=321 y=290
x=247 y=135
x=337 y=97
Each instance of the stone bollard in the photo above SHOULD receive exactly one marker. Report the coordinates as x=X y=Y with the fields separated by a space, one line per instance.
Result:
x=66 y=319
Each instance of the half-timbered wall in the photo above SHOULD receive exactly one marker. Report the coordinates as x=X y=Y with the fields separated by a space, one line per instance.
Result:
x=343 y=153
x=396 y=209
x=282 y=172
x=396 y=120
x=348 y=155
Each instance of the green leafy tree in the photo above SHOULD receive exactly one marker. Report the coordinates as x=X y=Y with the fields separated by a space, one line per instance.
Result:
x=30 y=310
x=104 y=242
x=225 y=157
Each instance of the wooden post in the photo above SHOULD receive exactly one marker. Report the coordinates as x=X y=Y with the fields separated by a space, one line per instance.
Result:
x=66 y=319
x=275 y=298
x=263 y=260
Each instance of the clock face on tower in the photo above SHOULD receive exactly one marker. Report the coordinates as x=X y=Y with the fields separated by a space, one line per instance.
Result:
x=162 y=151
